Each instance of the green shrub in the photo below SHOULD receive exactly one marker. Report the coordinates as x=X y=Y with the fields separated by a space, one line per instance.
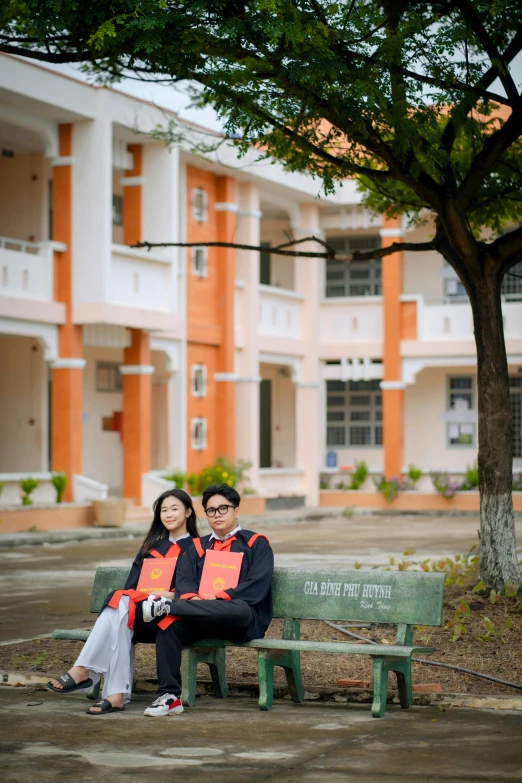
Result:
x=414 y=474
x=324 y=485
x=471 y=477
x=2 y=485
x=359 y=475
x=225 y=472
x=178 y=479
x=27 y=486
x=59 y=482
x=390 y=488
x=193 y=483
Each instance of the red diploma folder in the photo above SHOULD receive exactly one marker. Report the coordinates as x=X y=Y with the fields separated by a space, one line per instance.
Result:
x=156 y=574
x=220 y=572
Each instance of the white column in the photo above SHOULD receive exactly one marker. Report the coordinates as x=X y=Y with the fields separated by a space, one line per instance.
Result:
x=92 y=206
x=247 y=316
x=160 y=206
x=308 y=281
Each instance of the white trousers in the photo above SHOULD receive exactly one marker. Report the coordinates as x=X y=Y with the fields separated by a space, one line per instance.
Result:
x=109 y=651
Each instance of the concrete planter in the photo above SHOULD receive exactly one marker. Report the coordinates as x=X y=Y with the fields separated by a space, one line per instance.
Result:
x=110 y=512
x=18 y=519
x=408 y=501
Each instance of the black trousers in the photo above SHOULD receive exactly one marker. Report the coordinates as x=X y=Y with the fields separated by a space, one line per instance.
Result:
x=199 y=620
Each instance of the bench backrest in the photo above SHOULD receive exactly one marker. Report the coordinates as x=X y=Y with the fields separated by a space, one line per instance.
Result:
x=411 y=597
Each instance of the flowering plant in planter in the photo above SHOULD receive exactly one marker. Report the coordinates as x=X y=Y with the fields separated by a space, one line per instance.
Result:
x=390 y=488
x=445 y=485
x=517 y=483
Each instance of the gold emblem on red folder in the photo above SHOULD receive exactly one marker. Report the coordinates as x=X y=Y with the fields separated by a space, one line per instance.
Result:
x=156 y=573
x=218 y=584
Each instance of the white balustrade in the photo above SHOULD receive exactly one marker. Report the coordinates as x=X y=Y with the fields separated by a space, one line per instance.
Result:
x=351 y=319
x=152 y=486
x=279 y=312
x=11 y=493
x=275 y=482
x=85 y=490
x=142 y=279
x=439 y=321
x=27 y=268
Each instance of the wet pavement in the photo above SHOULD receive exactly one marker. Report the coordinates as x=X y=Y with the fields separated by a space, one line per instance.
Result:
x=47 y=738
x=50 y=739
x=48 y=586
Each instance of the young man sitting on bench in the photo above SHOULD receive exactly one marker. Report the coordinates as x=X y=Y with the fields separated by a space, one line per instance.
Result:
x=239 y=614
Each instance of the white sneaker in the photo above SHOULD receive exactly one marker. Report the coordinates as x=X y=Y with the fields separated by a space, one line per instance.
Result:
x=154 y=606
x=167 y=704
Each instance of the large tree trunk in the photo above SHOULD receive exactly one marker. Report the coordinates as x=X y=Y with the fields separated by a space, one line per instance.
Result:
x=498 y=554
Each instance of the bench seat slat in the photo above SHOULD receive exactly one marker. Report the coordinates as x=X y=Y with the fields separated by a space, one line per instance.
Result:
x=349 y=648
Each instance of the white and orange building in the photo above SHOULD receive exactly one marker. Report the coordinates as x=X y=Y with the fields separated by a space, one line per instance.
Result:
x=118 y=363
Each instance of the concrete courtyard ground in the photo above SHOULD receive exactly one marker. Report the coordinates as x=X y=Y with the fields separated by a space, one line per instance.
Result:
x=48 y=738
x=55 y=579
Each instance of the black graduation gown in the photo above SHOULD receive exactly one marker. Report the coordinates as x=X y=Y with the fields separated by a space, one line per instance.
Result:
x=146 y=632
x=255 y=578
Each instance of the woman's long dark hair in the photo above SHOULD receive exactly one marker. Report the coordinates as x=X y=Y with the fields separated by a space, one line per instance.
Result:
x=157 y=531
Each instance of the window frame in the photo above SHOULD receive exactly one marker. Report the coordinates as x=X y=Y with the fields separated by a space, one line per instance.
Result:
x=471 y=392
x=195 y=444
x=200 y=214
x=372 y=268
x=116 y=384
x=194 y=370
x=203 y=272
x=372 y=408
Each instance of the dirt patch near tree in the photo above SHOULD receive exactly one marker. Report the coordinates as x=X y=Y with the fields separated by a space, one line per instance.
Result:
x=500 y=655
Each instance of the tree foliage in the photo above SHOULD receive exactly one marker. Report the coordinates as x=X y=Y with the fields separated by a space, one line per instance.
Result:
x=417 y=99
x=400 y=93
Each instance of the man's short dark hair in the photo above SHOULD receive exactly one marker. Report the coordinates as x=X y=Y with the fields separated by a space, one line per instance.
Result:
x=221 y=489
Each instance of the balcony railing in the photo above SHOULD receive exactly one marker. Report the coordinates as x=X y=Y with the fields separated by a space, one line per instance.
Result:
x=142 y=279
x=447 y=320
x=279 y=312
x=351 y=319
x=27 y=268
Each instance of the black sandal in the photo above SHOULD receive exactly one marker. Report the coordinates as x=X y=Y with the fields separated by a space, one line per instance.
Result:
x=106 y=706
x=69 y=684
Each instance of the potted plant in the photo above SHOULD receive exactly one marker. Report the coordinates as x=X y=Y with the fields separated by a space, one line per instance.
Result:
x=59 y=482
x=28 y=485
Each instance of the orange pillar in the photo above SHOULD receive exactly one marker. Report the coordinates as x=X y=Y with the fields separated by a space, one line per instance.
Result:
x=392 y=386
x=226 y=264
x=67 y=380
x=132 y=184
x=137 y=371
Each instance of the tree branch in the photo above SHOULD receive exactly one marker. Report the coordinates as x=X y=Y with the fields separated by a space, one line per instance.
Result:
x=279 y=250
x=471 y=16
x=485 y=160
x=507 y=246
x=34 y=54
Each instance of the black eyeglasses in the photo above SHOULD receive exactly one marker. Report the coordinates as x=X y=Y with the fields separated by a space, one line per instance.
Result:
x=211 y=512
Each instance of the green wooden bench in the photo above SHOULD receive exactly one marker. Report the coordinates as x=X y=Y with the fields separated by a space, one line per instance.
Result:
x=404 y=599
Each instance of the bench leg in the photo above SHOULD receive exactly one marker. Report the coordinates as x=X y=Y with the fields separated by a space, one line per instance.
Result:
x=403 y=674
x=381 y=668
x=218 y=673
x=293 y=676
x=267 y=660
x=94 y=692
x=215 y=658
x=380 y=687
x=265 y=671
